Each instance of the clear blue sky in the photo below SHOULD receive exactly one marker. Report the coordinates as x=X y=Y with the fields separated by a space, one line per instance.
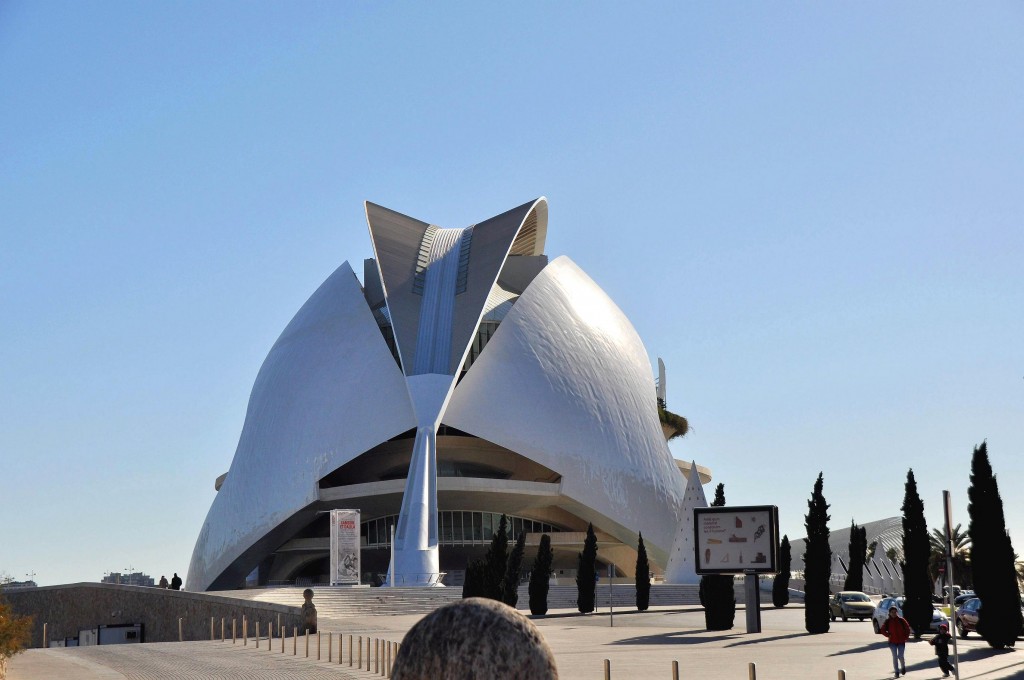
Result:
x=812 y=212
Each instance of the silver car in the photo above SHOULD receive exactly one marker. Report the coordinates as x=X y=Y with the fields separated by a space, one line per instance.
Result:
x=882 y=613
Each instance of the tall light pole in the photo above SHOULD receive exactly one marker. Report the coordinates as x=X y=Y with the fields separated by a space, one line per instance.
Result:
x=948 y=512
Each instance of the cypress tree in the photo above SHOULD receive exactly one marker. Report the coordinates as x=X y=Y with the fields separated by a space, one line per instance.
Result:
x=917 y=585
x=539 y=576
x=510 y=596
x=643 y=576
x=992 y=556
x=858 y=551
x=780 y=587
x=817 y=562
x=473 y=586
x=495 y=562
x=586 y=573
x=716 y=590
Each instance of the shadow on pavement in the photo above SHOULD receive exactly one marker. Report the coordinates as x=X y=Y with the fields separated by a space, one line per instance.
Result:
x=680 y=638
x=757 y=641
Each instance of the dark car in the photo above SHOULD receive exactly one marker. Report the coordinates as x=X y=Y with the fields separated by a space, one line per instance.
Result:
x=967 y=616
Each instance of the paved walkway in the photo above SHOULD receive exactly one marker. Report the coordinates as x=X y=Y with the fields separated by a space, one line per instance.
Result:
x=639 y=646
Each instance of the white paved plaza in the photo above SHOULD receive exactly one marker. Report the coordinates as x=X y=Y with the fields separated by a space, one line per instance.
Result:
x=639 y=646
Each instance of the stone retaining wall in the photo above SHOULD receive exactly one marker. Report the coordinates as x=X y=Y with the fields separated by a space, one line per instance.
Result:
x=73 y=607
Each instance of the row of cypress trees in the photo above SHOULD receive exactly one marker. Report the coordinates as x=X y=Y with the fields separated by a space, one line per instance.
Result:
x=992 y=558
x=496 y=576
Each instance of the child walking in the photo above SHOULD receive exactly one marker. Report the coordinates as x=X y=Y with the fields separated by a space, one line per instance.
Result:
x=941 y=642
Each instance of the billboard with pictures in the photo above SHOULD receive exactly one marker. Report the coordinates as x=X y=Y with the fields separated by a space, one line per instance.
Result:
x=737 y=539
x=345 y=547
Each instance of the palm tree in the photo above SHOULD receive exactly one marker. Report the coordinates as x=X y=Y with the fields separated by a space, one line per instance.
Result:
x=961 y=556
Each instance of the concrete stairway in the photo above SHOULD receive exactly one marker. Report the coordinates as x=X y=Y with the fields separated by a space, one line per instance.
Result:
x=623 y=596
x=342 y=603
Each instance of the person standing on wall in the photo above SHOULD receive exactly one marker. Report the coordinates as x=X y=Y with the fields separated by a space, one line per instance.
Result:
x=176 y=582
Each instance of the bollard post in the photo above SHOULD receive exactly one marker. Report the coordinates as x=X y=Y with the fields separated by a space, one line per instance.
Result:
x=307 y=643
x=842 y=674
x=330 y=646
x=675 y=670
x=751 y=671
x=350 y=650
x=212 y=638
x=339 y=647
x=245 y=631
x=319 y=635
x=234 y=636
x=360 y=660
x=295 y=639
x=222 y=629
x=257 y=633
x=46 y=636
x=181 y=633
x=607 y=670
x=279 y=628
x=376 y=656
x=283 y=633
x=368 y=658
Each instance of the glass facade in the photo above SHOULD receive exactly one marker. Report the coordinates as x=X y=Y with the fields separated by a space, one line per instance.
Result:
x=457 y=527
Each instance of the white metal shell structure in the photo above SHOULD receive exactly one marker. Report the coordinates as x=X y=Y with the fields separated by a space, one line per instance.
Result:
x=536 y=364
x=328 y=391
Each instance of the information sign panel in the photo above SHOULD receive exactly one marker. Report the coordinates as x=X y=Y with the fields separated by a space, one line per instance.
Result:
x=345 y=565
x=736 y=539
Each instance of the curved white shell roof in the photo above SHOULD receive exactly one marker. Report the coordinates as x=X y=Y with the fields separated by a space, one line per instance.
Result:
x=328 y=391
x=566 y=382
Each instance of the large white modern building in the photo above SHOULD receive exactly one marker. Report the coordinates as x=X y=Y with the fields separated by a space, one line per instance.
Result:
x=466 y=377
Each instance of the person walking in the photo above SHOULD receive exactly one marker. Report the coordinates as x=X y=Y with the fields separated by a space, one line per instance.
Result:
x=897 y=630
x=941 y=643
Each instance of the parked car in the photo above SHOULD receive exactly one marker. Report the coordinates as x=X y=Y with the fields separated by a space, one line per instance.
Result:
x=882 y=612
x=851 y=604
x=963 y=597
x=969 y=612
x=967 y=617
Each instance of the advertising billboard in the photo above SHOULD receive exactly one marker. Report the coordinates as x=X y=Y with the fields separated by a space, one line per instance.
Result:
x=737 y=539
x=345 y=566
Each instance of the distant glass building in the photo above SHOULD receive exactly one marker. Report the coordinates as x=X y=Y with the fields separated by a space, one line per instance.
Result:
x=466 y=377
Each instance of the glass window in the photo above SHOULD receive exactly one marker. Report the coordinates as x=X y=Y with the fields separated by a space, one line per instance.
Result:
x=478 y=529
x=517 y=527
x=457 y=534
x=371 y=537
x=445 y=520
x=488 y=526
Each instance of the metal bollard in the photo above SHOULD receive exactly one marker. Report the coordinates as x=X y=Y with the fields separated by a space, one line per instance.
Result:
x=675 y=670
x=319 y=635
x=368 y=658
x=350 y=650
x=181 y=633
x=307 y=643
x=360 y=660
x=222 y=629
x=46 y=636
x=234 y=636
x=245 y=631
x=257 y=633
x=283 y=634
x=295 y=639
x=842 y=674
x=751 y=671
x=607 y=670
x=340 y=636
x=330 y=646
x=211 y=629
x=376 y=656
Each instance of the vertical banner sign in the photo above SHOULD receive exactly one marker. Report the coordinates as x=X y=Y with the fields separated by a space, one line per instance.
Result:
x=345 y=567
